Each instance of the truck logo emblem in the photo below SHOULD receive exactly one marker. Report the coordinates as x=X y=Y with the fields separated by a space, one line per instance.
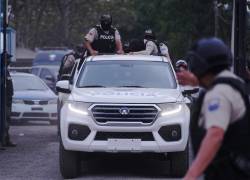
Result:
x=124 y=111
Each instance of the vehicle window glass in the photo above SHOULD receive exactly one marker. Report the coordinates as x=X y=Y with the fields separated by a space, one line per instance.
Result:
x=44 y=73
x=127 y=74
x=21 y=83
x=54 y=71
x=35 y=71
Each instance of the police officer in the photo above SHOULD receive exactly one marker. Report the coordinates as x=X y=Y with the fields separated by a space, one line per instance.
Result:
x=69 y=59
x=220 y=117
x=6 y=142
x=103 y=38
x=150 y=43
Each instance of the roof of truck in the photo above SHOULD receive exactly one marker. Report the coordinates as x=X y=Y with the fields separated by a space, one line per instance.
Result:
x=127 y=58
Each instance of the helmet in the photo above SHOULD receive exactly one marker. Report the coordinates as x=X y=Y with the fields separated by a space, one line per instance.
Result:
x=106 y=21
x=149 y=34
x=181 y=63
x=208 y=54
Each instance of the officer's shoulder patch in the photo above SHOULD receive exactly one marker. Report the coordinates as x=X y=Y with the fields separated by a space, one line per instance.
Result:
x=213 y=104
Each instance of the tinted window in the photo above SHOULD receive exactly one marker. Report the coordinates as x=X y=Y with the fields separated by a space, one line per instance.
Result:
x=127 y=73
x=35 y=71
x=22 y=83
x=44 y=73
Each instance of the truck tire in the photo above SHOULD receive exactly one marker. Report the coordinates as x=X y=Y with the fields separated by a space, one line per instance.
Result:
x=70 y=163
x=179 y=162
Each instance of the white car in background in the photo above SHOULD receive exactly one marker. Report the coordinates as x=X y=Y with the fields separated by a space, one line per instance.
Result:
x=33 y=99
x=124 y=103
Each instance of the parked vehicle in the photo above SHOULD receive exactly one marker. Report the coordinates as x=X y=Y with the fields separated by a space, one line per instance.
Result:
x=33 y=99
x=48 y=74
x=123 y=103
x=50 y=56
x=19 y=69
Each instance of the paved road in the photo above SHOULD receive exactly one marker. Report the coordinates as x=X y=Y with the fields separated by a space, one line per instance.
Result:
x=36 y=157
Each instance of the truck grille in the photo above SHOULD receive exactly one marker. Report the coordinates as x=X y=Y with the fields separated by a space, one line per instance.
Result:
x=145 y=114
x=35 y=102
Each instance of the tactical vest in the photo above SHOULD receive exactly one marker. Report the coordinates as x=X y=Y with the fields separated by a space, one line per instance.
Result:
x=157 y=45
x=105 y=42
x=236 y=138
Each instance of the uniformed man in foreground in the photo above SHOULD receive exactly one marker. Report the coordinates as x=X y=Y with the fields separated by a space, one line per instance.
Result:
x=103 y=38
x=220 y=118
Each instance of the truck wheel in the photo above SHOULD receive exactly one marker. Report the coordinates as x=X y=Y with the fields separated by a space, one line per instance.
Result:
x=70 y=163
x=179 y=163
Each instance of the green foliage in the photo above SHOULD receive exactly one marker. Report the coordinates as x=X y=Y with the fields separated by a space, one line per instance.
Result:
x=65 y=22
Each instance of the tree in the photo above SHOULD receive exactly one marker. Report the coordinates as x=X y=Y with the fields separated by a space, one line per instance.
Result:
x=64 y=22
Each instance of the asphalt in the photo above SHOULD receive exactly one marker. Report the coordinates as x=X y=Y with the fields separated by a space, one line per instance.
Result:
x=36 y=157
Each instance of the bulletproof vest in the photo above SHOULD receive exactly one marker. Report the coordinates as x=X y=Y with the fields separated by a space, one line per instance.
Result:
x=105 y=42
x=236 y=138
x=157 y=45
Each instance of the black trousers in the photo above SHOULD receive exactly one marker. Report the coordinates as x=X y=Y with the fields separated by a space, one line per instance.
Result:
x=225 y=169
x=6 y=136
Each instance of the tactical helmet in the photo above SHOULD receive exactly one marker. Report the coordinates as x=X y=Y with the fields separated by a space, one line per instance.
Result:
x=208 y=54
x=106 y=21
x=149 y=34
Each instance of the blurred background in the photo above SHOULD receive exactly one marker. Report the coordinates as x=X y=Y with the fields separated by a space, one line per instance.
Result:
x=64 y=22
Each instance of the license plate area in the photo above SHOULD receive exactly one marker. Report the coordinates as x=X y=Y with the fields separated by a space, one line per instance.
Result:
x=124 y=144
x=36 y=109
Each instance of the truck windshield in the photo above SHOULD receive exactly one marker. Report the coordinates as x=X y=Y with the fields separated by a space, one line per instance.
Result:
x=134 y=74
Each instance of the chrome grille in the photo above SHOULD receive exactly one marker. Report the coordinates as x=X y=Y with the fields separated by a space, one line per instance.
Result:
x=30 y=102
x=145 y=114
x=43 y=102
x=35 y=102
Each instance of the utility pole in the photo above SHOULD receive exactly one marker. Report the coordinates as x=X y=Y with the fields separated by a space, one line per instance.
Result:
x=216 y=18
x=4 y=4
x=240 y=38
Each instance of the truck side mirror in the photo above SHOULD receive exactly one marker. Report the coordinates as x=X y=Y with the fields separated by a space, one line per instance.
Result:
x=63 y=87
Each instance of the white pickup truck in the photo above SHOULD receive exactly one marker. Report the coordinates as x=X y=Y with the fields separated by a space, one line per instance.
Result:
x=123 y=103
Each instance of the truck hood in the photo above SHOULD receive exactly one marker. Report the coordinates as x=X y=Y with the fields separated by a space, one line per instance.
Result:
x=126 y=95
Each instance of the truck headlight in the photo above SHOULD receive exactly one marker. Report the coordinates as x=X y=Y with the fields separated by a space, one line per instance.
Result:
x=17 y=101
x=170 y=109
x=78 y=107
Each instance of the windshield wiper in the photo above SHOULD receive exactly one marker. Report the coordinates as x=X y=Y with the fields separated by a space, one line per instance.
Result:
x=93 y=86
x=133 y=86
